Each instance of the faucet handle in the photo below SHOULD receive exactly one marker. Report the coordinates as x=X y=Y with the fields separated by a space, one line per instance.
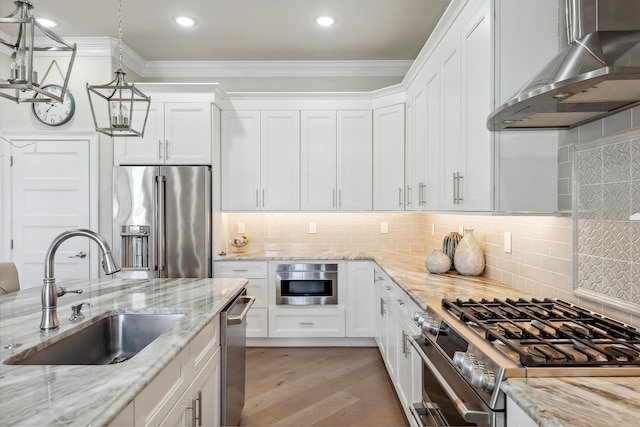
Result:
x=63 y=291
x=76 y=313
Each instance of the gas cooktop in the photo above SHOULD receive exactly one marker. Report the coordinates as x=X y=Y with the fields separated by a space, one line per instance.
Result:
x=549 y=332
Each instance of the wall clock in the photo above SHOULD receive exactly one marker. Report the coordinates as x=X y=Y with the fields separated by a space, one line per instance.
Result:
x=54 y=113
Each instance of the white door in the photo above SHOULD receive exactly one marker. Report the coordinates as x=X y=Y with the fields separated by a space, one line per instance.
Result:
x=49 y=195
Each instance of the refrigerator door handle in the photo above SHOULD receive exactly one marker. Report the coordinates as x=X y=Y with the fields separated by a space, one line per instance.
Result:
x=161 y=223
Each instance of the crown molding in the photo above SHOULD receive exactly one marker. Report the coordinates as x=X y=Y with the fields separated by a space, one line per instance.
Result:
x=191 y=69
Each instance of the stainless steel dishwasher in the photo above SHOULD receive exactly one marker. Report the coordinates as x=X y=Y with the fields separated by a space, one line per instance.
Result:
x=233 y=338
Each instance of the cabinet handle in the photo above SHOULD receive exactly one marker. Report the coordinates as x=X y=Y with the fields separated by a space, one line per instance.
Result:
x=166 y=149
x=263 y=198
x=382 y=310
x=399 y=196
x=456 y=188
x=257 y=198
x=404 y=344
x=159 y=150
x=408 y=195
x=307 y=323
x=240 y=269
x=196 y=415
x=334 y=197
x=400 y=302
x=340 y=198
x=421 y=201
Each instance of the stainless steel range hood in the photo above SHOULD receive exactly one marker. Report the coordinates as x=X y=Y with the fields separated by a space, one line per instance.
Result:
x=596 y=75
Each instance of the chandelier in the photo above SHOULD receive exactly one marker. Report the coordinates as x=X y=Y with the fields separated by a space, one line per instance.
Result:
x=122 y=100
x=32 y=40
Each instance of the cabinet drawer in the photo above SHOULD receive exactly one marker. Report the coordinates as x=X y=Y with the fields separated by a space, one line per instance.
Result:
x=257 y=323
x=258 y=288
x=245 y=269
x=306 y=322
x=204 y=345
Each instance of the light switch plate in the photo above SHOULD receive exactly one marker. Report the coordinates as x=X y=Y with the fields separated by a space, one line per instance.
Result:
x=384 y=227
x=241 y=228
x=507 y=242
x=312 y=227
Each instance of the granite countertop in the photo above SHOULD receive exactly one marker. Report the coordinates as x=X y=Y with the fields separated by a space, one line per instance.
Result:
x=93 y=395
x=550 y=402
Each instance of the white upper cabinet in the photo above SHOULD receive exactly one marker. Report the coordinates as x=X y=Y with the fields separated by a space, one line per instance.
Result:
x=240 y=160
x=336 y=160
x=526 y=162
x=466 y=152
x=355 y=160
x=260 y=166
x=318 y=154
x=454 y=163
x=280 y=165
x=388 y=158
x=176 y=133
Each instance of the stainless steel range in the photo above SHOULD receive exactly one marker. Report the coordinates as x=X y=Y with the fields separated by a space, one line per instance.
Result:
x=470 y=347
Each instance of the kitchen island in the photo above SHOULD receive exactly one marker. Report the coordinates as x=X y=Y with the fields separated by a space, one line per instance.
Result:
x=558 y=402
x=96 y=394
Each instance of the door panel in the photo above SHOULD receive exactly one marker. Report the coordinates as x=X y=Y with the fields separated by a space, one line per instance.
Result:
x=49 y=195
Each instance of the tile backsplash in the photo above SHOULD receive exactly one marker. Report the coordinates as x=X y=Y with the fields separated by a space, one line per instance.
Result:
x=540 y=263
x=608 y=242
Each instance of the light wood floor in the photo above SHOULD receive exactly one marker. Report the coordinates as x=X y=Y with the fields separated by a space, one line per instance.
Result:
x=319 y=387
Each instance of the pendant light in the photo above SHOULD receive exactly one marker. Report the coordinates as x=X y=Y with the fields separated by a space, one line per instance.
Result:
x=122 y=101
x=31 y=41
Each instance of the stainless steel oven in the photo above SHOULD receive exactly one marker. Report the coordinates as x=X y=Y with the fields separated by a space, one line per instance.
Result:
x=306 y=284
x=469 y=347
x=447 y=399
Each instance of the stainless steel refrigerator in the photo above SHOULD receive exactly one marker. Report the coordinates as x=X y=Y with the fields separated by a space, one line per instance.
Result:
x=162 y=221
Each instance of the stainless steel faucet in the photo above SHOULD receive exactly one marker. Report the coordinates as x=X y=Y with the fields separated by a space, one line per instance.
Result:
x=50 y=320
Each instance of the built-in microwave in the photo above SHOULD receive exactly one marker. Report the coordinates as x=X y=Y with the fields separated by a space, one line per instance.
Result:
x=306 y=284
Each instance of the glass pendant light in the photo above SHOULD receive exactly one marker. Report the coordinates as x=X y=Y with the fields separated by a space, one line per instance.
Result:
x=123 y=99
x=31 y=40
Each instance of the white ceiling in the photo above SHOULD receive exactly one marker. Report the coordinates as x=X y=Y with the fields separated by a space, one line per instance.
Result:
x=252 y=30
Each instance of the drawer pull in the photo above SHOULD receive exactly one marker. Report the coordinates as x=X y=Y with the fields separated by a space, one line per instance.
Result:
x=307 y=323
x=240 y=269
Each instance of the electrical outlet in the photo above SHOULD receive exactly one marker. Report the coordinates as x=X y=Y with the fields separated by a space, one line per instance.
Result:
x=312 y=227
x=384 y=227
x=461 y=230
x=241 y=228
x=507 y=242
x=433 y=229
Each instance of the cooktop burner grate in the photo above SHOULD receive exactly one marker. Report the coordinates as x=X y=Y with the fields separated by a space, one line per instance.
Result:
x=550 y=332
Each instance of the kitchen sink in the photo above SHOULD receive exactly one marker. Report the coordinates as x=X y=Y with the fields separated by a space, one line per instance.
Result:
x=115 y=338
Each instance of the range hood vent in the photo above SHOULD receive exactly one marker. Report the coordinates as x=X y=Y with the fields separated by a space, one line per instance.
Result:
x=596 y=75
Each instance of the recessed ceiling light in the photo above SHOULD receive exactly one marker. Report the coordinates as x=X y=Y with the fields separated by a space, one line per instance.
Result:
x=325 y=21
x=49 y=23
x=185 y=21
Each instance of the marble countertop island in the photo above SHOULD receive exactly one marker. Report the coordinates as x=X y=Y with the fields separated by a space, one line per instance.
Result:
x=550 y=402
x=94 y=394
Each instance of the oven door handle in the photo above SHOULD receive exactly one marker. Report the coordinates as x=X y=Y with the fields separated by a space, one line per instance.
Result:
x=427 y=409
x=468 y=413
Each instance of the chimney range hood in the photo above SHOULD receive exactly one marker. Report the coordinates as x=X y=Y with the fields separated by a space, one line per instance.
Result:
x=596 y=75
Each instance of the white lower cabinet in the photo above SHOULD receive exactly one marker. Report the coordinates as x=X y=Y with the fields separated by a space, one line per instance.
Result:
x=199 y=405
x=256 y=274
x=393 y=329
x=360 y=299
x=517 y=417
x=191 y=378
x=306 y=322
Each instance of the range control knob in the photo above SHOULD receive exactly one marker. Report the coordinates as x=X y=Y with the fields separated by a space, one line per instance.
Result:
x=429 y=324
x=484 y=379
x=458 y=358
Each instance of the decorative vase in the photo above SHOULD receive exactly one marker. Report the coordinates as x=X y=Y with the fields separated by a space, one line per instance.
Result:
x=469 y=259
x=437 y=262
x=449 y=245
